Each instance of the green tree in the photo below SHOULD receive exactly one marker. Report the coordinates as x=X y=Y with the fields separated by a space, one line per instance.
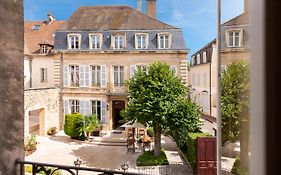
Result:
x=156 y=96
x=235 y=108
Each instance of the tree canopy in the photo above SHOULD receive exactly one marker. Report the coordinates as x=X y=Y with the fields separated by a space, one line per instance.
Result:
x=159 y=98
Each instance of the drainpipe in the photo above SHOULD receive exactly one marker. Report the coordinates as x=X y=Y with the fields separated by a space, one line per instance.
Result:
x=61 y=91
x=210 y=86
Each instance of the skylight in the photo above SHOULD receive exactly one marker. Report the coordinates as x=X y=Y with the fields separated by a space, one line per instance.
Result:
x=36 y=27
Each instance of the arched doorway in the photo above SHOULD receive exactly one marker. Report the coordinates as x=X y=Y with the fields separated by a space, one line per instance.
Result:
x=117 y=106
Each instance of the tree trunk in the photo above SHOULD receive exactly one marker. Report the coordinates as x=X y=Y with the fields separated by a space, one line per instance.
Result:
x=157 y=140
x=244 y=141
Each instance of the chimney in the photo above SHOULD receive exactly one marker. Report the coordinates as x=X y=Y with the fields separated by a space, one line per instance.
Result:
x=51 y=18
x=139 y=6
x=246 y=6
x=151 y=8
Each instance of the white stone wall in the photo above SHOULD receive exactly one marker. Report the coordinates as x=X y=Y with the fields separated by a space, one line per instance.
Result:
x=44 y=98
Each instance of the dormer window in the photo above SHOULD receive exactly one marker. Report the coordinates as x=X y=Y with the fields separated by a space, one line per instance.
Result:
x=141 y=41
x=234 y=38
x=118 y=41
x=74 y=41
x=44 y=49
x=95 y=41
x=36 y=27
x=198 y=58
x=204 y=57
x=164 y=40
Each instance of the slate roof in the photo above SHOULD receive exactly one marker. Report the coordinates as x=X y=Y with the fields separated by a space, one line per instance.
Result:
x=178 y=43
x=44 y=35
x=209 y=51
x=239 y=20
x=112 y=18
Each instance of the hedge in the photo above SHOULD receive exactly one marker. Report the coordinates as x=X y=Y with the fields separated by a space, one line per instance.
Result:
x=72 y=125
x=148 y=159
x=191 y=148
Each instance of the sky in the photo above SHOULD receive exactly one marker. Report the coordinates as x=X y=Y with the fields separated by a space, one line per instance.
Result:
x=196 y=18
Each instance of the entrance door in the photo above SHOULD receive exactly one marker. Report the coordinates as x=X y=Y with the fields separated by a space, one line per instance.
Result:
x=117 y=106
x=206 y=156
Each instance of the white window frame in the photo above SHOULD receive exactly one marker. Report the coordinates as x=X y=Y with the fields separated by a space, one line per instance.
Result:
x=96 y=76
x=119 y=72
x=44 y=49
x=144 y=38
x=69 y=37
x=198 y=59
x=118 y=37
x=43 y=75
x=169 y=40
x=95 y=37
x=74 y=106
x=204 y=57
x=228 y=36
x=75 y=82
x=84 y=75
x=192 y=60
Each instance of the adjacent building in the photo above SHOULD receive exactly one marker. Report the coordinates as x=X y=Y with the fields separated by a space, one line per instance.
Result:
x=100 y=47
x=42 y=97
x=203 y=67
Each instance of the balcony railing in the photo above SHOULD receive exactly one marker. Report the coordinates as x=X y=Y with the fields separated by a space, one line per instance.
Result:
x=51 y=169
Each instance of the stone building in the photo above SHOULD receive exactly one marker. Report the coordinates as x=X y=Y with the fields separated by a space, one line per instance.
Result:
x=100 y=47
x=42 y=104
x=203 y=69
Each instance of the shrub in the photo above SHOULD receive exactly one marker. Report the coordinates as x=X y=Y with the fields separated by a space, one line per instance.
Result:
x=52 y=131
x=148 y=159
x=150 y=132
x=191 y=148
x=72 y=124
x=31 y=144
x=28 y=169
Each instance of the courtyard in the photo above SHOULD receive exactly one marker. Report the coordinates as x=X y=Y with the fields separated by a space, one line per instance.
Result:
x=62 y=150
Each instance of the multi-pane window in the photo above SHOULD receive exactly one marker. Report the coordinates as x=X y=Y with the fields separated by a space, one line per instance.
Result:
x=74 y=106
x=96 y=108
x=74 y=41
x=43 y=76
x=204 y=57
x=96 y=76
x=74 y=75
x=95 y=41
x=234 y=38
x=44 y=49
x=141 y=41
x=118 y=75
x=164 y=41
x=119 y=41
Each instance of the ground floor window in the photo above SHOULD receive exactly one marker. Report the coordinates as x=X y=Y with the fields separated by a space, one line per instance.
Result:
x=74 y=106
x=96 y=108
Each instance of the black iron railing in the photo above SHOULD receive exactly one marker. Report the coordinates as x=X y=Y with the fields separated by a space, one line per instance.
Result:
x=52 y=169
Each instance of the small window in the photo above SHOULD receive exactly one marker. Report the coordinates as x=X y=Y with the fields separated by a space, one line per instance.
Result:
x=118 y=41
x=44 y=49
x=141 y=41
x=74 y=75
x=164 y=41
x=43 y=74
x=95 y=41
x=198 y=58
x=74 y=106
x=234 y=38
x=36 y=27
x=204 y=57
x=96 y=109
x=74 y=41
x=118 y=75
x=96 y=76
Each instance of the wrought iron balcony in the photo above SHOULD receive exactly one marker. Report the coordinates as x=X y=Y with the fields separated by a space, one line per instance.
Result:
x=50 y=169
